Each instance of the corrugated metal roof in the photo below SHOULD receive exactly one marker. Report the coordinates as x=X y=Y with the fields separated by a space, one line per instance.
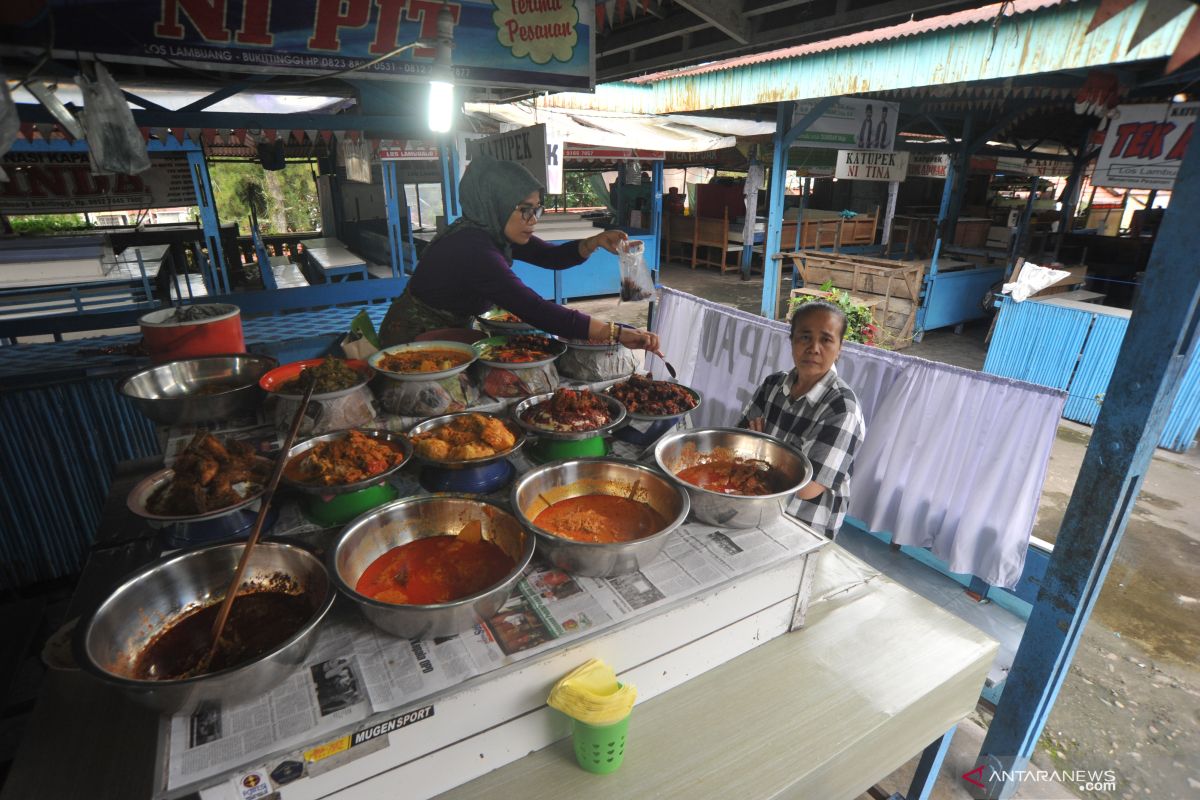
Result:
x=914 y=27
x=1045 y=37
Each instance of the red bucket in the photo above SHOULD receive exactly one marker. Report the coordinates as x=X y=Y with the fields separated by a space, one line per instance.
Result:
x=168 y=339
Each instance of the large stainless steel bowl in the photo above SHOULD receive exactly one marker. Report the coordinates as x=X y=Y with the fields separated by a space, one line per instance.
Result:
x=560 y=480
x=678 y=451
x=398 y=523
x=199 y=389
x=109 y=641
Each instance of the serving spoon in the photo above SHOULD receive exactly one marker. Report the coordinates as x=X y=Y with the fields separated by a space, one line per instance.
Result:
x=264 y=506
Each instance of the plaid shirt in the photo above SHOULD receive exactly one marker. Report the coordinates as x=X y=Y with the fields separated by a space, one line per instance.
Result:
x=827 y=425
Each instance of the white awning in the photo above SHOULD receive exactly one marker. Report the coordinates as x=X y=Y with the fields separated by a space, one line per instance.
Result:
x=608 y=128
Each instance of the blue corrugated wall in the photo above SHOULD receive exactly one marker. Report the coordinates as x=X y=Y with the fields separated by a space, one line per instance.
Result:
x=1076 y=350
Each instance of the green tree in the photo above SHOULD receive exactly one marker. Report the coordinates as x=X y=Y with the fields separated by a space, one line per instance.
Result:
x=577 y=193
x=288 y=196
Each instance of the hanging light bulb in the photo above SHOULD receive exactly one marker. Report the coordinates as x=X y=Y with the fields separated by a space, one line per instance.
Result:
x=441 y=79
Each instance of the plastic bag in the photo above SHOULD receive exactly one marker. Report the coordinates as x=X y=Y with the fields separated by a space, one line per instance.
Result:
x=429 y=398
x=10 y=126
x=505 y=383
x=1031 y=280
x=113 y=138
x=597 y=365
x=636 y=281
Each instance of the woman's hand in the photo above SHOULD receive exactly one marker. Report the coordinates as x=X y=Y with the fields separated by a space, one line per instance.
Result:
x=755 y=424
x=636 y=339
x=609 y=240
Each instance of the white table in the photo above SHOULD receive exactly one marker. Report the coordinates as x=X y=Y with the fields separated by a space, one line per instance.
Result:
x=333 y=259
x=876 y=675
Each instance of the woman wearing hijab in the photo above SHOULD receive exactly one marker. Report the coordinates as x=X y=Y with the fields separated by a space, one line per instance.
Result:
x=467 y=268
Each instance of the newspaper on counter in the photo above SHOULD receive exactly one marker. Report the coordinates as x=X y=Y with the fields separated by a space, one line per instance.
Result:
x=356 y=670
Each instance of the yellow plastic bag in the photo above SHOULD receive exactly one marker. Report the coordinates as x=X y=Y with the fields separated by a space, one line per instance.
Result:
x=592 y=694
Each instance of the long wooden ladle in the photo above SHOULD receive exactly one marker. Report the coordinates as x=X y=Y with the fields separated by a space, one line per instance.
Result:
x=265 y=504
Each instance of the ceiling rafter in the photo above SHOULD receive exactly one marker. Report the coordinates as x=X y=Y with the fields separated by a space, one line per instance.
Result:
x=726 y=17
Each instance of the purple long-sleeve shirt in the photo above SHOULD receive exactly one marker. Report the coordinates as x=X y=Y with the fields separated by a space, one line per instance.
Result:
x=467 y=274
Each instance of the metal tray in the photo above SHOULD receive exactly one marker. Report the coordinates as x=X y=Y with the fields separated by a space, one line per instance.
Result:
x=397 y=440
x=633 y=415
x=437 y=422
x=482 y=344
x=146 y=487
x=615 y=408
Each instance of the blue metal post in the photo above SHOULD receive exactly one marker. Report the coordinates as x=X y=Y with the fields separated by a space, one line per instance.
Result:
x=779 y=161
x=393 y=190
x=208 y=220
x=752 y=215
x=959 y=187
x=448 y=164
x=928 y=767
x=799 y=228
x=656 y=204
x=1154 y=355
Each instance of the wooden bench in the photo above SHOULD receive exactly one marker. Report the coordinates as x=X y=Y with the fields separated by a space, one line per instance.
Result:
x=830 y=229
x=709 y=233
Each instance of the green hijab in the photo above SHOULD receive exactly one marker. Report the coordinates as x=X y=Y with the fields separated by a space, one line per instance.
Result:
x=489 y=191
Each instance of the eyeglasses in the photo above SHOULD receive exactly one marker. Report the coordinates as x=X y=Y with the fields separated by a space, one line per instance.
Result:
x=529 y=213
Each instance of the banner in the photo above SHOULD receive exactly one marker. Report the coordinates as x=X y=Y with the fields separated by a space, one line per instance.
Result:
x=406 y=150
x=1014 y=165
x=1144 y=145
x=928 y=166
x=525 y=43
x=526 y=146
x=63 y=183
x=850 y=123
x=871 y=165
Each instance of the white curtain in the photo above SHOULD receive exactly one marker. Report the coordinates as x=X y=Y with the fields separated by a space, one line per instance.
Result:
x=954 y=460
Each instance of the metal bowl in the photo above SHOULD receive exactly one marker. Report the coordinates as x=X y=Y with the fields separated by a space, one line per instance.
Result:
x=402 y=521
x=437 y=422
x=139 y=498
x=458 y=347
x=634 y=415
x=191 y=390
x=615 y=409
x=556 y=348
x=110 y=639
x=397 y=441
x=684 y=449
x=560 y=480
x=489 y=323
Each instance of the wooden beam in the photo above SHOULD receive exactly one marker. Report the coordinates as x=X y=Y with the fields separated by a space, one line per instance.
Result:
x=726 y=17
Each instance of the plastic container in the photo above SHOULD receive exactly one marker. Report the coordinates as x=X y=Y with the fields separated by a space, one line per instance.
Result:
x=600 y=748
x=168 y=340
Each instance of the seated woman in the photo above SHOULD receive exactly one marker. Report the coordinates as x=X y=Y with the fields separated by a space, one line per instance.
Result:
x=812 y=408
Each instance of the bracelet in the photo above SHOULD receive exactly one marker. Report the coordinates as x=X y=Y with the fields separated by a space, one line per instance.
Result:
x=614 y=333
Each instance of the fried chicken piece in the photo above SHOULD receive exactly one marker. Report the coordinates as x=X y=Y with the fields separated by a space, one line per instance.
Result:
x=470 y=451
x=432 y=449
x=496 y=434
x=211 y=447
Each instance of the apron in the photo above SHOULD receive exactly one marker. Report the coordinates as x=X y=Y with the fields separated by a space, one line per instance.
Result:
x=409 y=317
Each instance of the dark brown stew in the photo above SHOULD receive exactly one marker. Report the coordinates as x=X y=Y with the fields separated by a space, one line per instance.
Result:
x=258 y=623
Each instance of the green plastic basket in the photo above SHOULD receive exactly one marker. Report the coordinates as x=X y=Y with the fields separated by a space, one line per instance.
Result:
x=600 y=748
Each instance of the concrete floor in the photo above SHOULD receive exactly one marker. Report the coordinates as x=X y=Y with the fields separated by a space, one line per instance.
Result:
x=1131 y=700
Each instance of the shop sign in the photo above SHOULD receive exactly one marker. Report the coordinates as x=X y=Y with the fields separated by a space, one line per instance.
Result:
x=1010 y=165
x=63 y=183
x=1144 y=145
x=850 y=122
x=532 y=44
x=528 y=147
x=406 y=150
x=871 y=165
x=928 y=166
x=574 y=152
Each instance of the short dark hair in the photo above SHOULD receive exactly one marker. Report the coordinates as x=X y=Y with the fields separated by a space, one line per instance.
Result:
x=813 y=306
